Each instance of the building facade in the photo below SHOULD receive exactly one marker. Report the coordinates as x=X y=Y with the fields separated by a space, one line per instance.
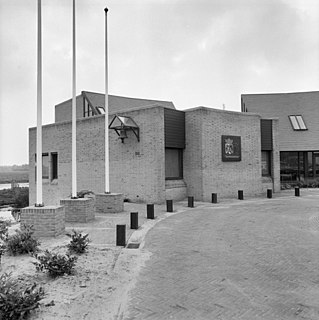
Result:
x=172 y=154
x=298 y=131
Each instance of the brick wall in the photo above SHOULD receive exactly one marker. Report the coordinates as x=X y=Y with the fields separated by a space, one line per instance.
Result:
x=137 y=169
x=48 y=221
x=275 y=161
x=280 y=106
x=63 y=111
x=204 y=170
x=79 y=210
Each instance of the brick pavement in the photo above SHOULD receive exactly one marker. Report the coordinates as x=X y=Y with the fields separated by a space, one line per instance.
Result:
x=251 y=259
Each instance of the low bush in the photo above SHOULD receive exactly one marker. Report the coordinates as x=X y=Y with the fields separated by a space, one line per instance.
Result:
x=21 y=197
x=22 y=241
x=56 y=264
x=17 y=197
x=4 y=224
x=79 y=242
x=16 y=300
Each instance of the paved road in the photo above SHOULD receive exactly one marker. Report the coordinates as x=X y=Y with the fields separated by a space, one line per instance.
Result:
x=244 y=260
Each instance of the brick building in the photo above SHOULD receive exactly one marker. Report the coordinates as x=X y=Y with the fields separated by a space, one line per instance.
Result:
x=298 y=131
x=173 y=153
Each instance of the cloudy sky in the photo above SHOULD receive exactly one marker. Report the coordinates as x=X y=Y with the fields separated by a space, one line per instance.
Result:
x=191 y=52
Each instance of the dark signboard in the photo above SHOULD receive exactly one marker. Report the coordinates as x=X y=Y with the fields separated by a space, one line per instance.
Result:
x=231 y=148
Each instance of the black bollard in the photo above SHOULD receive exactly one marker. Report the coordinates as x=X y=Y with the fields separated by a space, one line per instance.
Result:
x=134 y=220
x=191 y=202
x=120 y=235
x=150 y=211
x=269 y=193
x=297 y=192
x=214 y=197
x=240 y=195
x=169 y=205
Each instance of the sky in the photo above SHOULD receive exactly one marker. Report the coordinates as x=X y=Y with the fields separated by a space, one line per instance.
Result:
x=191 y=52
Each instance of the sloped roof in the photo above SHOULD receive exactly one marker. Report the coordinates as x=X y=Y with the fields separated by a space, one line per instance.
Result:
x=283 y=105
x=118 y=103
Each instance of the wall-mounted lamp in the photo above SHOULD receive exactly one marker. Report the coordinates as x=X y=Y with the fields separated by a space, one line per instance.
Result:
x=122 y=124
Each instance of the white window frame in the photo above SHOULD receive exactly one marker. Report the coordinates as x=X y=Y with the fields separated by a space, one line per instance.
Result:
x=297 y=122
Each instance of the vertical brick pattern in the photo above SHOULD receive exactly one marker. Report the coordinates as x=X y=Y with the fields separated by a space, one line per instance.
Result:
x=105 y=203
x=275 y=161
x=47 y=221
x=79 y=210
x=204 y=170
x=137 y=169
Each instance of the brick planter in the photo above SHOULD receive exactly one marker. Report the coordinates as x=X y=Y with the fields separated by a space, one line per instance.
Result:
x=48 y=221
x=78 y=210
x=109 y=202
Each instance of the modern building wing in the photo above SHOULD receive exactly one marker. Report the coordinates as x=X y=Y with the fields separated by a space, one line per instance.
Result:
x=156 y=152
x=298 y=131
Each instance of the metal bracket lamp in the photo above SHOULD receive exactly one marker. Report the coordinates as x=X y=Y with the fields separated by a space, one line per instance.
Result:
x=122 y=124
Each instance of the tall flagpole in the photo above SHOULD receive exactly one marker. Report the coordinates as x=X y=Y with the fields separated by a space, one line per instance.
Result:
x=39 y=201
x=107 y=165
x=74 y=186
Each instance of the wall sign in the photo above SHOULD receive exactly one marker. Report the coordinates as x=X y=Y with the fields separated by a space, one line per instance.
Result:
x=231 y=148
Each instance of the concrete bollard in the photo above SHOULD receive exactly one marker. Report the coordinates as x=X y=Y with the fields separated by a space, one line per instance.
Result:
x=297 y=192
x=214 y=197
x=191 y=202
x=150 y=211
x=169 y=205
x=240 y=195
x=134 y=220
x=121 y=235
x=269 y=193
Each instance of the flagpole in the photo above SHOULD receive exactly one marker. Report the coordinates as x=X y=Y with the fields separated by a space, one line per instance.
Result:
x=107 y=168
x=74 y=180
x=39 y=201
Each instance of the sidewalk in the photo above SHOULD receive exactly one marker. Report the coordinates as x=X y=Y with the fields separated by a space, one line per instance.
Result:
x=106 y=276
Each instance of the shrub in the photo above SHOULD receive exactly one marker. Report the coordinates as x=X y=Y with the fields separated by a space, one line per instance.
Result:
x=21 y=197
x=56 y=264
x=18 y=197
x=22 y=241
x=79 y=242
x=4 y=224
x=83 y=193
x=17 y=301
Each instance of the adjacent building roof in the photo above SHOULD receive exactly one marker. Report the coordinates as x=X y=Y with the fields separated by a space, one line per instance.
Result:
x=118 y=103
x=298 y=115
x=96 y=103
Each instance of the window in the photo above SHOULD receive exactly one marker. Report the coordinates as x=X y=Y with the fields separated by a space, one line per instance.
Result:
x=49 y=167
x=101 y=110
x=54 y=166
x=265 y=164
x=173 y=163
x=45 y=166
x=297 y=123
x=87 y=111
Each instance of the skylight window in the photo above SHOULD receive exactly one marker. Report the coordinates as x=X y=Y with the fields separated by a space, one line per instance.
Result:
x=297 y=123
x=101 y=110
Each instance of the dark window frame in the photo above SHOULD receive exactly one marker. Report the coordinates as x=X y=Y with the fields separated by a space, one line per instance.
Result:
x=180 y=165
x=268 y=160
x=54 y=166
